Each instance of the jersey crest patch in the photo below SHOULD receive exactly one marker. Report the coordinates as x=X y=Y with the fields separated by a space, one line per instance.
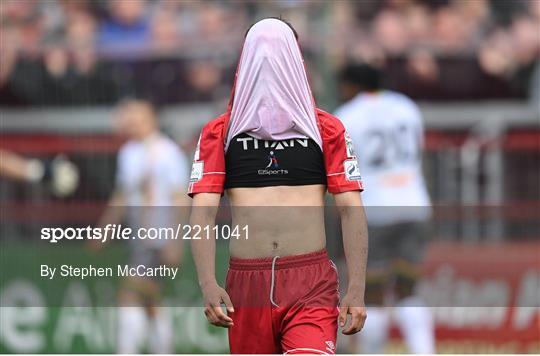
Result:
x=197 y=170
x=352 y=171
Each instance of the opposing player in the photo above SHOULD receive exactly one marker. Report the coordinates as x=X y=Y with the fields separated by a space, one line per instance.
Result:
x=276 y=154
x=151 y=181
x=388 y=132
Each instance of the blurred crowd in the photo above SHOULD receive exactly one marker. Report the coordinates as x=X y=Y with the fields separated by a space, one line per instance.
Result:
x=83 y=52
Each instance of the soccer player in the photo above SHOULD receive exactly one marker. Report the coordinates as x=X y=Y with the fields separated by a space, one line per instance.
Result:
x=387 y=130
x=276 y=154
x=151 y=181
x=61 y=175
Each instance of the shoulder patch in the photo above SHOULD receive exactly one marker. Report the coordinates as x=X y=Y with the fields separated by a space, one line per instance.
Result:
x=352 y=171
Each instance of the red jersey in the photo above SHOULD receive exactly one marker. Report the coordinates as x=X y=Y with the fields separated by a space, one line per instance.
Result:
x=342 y=172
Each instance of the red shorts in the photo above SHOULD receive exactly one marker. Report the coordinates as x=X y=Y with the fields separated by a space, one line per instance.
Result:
x=290 y=307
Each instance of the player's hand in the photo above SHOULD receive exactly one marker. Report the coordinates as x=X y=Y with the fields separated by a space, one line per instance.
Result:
x=214 y=296
x=353 y=305
x=63 y=176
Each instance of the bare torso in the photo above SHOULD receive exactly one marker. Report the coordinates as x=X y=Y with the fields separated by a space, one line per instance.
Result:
x=281 y=220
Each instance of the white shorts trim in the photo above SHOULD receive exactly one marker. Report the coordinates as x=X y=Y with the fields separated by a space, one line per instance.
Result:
x=314 y=351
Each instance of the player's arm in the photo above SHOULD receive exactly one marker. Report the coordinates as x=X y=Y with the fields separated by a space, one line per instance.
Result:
x=61 y=175
x=17 y=167
x=116 y=207
x=203 y=213
x=344 y=181
x=355 y=244
x=207 y=181
x=113 y=214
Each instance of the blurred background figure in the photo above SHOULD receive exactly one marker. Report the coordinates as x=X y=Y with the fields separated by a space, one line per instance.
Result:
x=61 y=175
x=151 y=185
x=388 y=133
x=126 y=27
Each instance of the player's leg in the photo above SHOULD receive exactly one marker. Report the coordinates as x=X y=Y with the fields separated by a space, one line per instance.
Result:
x=252 y=331
x=411 y=313
x=373 y=337
x=160 y=333
x=313 y=331
x=132 y=326
x=137 y=312
x=249 y=290
x=161 y=329
x=133 y=322
x=308 y=304
x=137 y=298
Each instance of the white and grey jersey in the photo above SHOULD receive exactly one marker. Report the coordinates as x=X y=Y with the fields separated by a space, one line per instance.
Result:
x=388 y=134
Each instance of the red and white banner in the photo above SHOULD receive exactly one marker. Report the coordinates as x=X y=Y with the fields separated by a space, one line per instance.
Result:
x=485 y=297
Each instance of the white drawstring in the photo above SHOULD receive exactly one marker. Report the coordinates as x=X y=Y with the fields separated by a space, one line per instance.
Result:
x=273 y=281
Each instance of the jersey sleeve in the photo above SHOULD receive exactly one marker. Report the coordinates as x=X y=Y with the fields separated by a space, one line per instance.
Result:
x=208 y=168
x=342 y=170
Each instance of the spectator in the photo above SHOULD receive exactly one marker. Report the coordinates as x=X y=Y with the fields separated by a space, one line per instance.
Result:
x=155 y=46
x=127 y=29
x=450 y=34
x=389 y=31
x=204 y=78
x=90 y=80
x=165 y=33
x=9 y=59
x=69 y=72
